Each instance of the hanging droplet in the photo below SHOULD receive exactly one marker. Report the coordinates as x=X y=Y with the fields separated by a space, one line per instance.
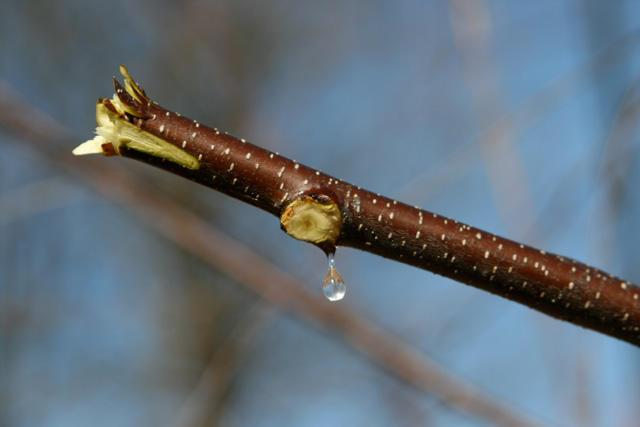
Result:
x=333 y=285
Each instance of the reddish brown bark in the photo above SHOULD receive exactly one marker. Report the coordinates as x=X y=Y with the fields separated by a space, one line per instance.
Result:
x=221 y=252
x=549 y=283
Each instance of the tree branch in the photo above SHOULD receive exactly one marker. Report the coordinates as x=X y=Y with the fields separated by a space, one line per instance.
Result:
x=328 y=212
x=208 y=244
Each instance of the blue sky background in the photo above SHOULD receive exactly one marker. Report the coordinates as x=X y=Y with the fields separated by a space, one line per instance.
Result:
x=517 y=117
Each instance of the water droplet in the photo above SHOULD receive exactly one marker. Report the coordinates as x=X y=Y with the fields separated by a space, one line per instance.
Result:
x=333 y=285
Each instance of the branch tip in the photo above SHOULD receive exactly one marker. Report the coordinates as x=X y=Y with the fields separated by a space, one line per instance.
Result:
x=132 y=87
x=92 y=146
x=118 y=127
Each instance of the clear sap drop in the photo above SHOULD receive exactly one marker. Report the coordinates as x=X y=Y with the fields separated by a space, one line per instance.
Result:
x=333 y=285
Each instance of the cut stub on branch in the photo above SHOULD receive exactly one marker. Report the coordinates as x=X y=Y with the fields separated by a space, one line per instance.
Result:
x=328 y=212
x=315 y=220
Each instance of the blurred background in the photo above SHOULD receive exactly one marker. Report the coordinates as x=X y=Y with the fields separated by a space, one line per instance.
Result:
x=517 y=117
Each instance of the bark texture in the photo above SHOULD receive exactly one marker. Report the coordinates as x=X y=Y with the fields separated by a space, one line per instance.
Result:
x=553 y=284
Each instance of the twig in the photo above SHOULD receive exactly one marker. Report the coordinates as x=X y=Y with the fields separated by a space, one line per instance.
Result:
x=327 y=212
x=204 y=242
x=35 y=198
x=204 y=402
